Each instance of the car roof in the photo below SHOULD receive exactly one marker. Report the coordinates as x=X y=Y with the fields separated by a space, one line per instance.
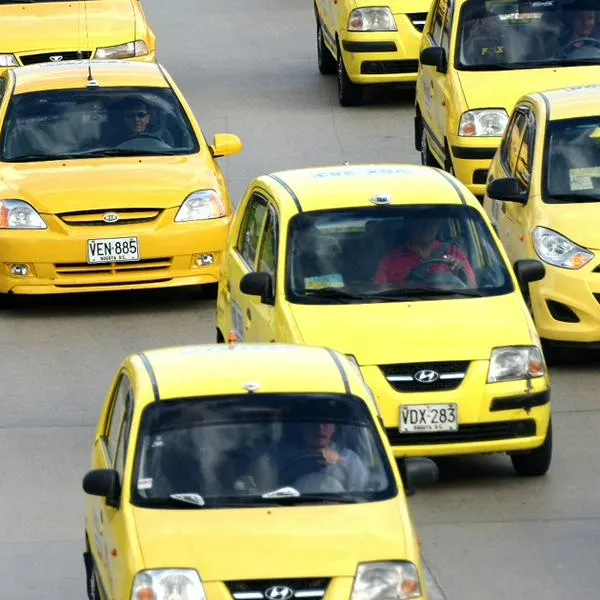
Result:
x=350 y=186
x=215 y=369
x=73 y=74
x=572 y=102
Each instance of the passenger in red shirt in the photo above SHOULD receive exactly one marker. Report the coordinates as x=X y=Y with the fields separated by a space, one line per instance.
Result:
x=422 y=246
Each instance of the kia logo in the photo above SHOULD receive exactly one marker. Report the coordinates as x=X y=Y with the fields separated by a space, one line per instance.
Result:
x=110 y=218
x=427 y=376
x=56 y=58
x=279 y=592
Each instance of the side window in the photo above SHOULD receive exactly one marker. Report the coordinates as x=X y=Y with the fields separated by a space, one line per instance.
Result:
x=123 y=444
x=438 y=21
x=113 y=429
x=2 y=87
x=523 y=165
x=247 y=244
x=267 y=257
x=447 y=30
x=512 y=141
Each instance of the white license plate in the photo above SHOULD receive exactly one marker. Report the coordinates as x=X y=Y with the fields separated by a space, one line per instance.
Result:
x=113 y=250
x=428 y=417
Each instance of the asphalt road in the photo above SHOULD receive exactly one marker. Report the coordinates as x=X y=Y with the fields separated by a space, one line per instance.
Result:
x=249 y=68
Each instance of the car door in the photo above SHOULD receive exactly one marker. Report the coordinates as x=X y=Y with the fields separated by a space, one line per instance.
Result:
x=243 y=259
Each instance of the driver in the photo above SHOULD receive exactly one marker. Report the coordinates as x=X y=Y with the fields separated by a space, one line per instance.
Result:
x=421 y=247
x=319 y=455
x=580 y=24
x=137 y=118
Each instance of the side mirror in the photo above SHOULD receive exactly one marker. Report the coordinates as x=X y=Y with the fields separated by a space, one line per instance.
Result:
x=226 y=144
x=104 y=483
x=435 y=56
x=508 y=189
x=528 y=271
x=258 y=284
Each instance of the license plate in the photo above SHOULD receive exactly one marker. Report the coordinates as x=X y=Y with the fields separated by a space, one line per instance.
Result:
x=428 y=417
x=113 y=250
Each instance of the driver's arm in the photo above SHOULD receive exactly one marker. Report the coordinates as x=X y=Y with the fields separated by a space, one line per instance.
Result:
x=456 y=252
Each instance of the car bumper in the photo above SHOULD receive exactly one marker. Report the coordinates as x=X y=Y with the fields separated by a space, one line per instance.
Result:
x=471 y=160
x=57 y=262
x=382 y=57
x=566 y=304
x=499 y=417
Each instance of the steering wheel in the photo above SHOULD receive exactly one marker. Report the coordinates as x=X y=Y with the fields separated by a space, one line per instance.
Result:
x=420 y=272
x=145 y=134
x=586 y=41
x=302 y=464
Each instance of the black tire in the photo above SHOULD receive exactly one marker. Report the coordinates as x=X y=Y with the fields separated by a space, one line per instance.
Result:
x=220 y=338
x=349 y=94
x=325 y=60
x=427 y=159
x=536 y=462
x=91 y=579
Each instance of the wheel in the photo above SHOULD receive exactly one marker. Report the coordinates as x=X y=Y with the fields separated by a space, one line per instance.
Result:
x=427 y=159
x=536 y=462
x=91 y=580
x=325 y=60
x=349 y=94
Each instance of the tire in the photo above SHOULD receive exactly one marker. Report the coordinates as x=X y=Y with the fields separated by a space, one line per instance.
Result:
x=220 y=338
x=427 y=159
x=536 y=462
x=91 y=580
x=325 y=60
x=349 y=94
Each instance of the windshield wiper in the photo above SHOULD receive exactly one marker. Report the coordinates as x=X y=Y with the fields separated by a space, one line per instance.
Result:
x=291 y=496
x=423 y=292
x=335 y=294
x=186 y=500
x=99 y=153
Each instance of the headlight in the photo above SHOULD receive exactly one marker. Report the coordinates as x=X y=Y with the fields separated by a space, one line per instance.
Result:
x=516 y=362
x=201 y=206
x=167 y=584
x=489 y=122
x=137 y=48
x=386 y=581
x=557 y=250
x=8 y=60
x=16 y=214
x=372 y=19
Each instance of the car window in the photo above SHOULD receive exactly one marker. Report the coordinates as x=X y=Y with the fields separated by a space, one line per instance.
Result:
x=117 y=412
x=512 y=141
x=251 y=229
x=437 y=22
x=53 y=125
x=122 y=445
x=236 y=450
x=447 y=28
x=392 y=254
x=571 y=170
x=526 y=34
x=522 y=166
x=2 y=88
x=268 y=245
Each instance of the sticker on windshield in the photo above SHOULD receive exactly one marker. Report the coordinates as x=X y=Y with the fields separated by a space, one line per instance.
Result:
x=145 y=483
x=323 y=281
x=583 y=179
x=359 y=172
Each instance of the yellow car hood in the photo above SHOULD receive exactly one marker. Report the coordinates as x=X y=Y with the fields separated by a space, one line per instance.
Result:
x=261 y=543
x=396 y=332
x=59 y=25
x=502 y=89
x=578 y=222
x=97 y=184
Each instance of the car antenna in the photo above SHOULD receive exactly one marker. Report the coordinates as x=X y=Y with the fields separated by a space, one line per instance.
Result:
x=92 y=83
x=79 y=52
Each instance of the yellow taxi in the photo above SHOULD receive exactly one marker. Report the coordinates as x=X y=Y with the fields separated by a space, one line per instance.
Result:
x=543 y=197
x=106 y=181
x=367 y=42
x=275 y=482
x=398 y=267
x=478 y=57
x=37 y=31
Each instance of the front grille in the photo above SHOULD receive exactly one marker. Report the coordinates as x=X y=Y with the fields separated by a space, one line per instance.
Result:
x=84 y=269
x=405 y=377
x=388 y=67
x=124 y=216
x=418 y=20
x=32 y=59
x=471 y=432
x=277 y=589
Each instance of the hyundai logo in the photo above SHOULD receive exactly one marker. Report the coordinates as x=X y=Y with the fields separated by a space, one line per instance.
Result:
x=426 y=376
x=110 y=218
x=56 y=58
x=279 y=592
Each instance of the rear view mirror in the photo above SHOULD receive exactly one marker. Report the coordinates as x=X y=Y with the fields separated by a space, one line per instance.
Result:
x=435 y=56
x=508 y=189
x=103 y=483
x=258 y=284
x=226 y=144
x=528 y=271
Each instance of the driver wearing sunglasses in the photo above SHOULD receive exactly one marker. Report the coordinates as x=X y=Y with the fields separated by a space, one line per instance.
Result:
x=137 y=117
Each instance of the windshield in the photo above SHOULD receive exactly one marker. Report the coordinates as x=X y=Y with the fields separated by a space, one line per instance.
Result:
x=496 y=34
x=384 y=254
x=572 y=161
x=257 y=450
x=55 y=125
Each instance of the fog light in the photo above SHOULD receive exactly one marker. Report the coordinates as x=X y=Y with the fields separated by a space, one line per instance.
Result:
x=205 y=259
x=19 y=270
